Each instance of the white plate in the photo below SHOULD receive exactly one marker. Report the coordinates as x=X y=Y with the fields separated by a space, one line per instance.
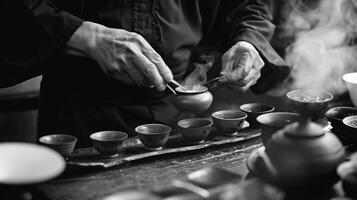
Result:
x=25 y=163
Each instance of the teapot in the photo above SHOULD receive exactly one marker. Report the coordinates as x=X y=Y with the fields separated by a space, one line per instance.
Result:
x=303 y=154
x=192 y=101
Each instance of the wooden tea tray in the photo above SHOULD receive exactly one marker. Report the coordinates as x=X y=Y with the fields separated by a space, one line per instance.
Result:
x=132 y=149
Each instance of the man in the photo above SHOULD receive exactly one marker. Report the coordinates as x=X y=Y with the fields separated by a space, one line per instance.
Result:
x=110 y=59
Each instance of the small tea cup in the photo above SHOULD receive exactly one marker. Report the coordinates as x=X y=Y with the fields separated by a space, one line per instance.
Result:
x=153 y=136
x=228 y=122
x=108 y=143
x=253 y=110
x=270 y=123
x=351 y=124
x=195 y=130
x=335 y=115
x=62 y=143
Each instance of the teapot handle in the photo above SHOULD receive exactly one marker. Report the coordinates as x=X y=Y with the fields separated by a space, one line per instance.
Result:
x=266 y=166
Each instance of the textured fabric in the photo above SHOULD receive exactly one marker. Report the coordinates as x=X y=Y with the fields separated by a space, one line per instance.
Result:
x=77 y=98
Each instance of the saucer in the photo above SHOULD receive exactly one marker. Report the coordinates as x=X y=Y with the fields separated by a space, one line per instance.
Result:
x=229 y=134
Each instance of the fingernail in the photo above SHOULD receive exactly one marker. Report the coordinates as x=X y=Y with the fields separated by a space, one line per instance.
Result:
x=161 y=87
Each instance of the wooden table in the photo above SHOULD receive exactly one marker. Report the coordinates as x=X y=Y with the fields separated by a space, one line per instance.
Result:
x=146 y=174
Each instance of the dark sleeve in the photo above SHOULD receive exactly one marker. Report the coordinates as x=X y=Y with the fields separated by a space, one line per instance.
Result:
x=35 y=32
x=248 y=20
x=59 y=25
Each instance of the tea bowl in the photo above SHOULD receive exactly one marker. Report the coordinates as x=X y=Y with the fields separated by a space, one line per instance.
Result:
x=62 y=143
x=195 y=130
x=153 y=136
x=351 y=82
x=351 y=124
x=228 y=122
x=253 y=110
x=108 y=143
x=270 y=123
x=309 y=103
x=335 y=115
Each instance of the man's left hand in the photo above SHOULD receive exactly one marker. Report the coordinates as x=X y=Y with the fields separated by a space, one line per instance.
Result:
x=241 y=66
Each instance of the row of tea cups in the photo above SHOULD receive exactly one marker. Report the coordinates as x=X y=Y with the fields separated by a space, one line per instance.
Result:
x=155 y=136
x=196 y=130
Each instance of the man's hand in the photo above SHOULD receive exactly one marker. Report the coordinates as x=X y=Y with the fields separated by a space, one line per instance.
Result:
x=122 y=55
x=241 y=66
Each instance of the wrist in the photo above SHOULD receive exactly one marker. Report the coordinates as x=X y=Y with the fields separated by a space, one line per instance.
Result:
x=245 y=45
x=85 y=37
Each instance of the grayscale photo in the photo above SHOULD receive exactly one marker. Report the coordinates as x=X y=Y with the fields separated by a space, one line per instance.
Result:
x=178 y=99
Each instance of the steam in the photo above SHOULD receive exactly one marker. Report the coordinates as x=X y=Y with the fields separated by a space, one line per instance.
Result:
x=323 y=48
x=198 y=76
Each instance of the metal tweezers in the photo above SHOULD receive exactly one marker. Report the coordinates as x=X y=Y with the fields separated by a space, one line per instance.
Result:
x=172 y=85
x=211 y=82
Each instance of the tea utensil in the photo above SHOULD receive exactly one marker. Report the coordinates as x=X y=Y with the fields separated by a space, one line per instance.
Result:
x=171 y=89
x=171 y=85
x=211 y=82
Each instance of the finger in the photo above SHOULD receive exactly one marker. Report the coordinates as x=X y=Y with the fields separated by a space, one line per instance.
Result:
x=255 y=72
x=149 y=70
x=155 y=58
x=246 y=87
x=106 y=64
x=134 y=73
x=243 y=88
x=243 y=65
x=227 y=67
x=259 y=64
x=240 y=70
x=227 y=62
x=249 y=80
x=163 y=69
x=117 y=73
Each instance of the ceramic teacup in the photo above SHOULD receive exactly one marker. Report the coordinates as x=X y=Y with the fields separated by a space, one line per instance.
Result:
x=62 y=143
x=228 y=122
x=153 y=136
x=108 y=143
x=195 y=130
x=253 y=110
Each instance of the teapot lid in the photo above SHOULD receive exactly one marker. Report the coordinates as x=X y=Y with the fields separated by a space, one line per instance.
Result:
x=305 y=129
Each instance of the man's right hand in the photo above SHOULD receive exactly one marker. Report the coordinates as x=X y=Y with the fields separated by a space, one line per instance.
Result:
x=121 y=54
